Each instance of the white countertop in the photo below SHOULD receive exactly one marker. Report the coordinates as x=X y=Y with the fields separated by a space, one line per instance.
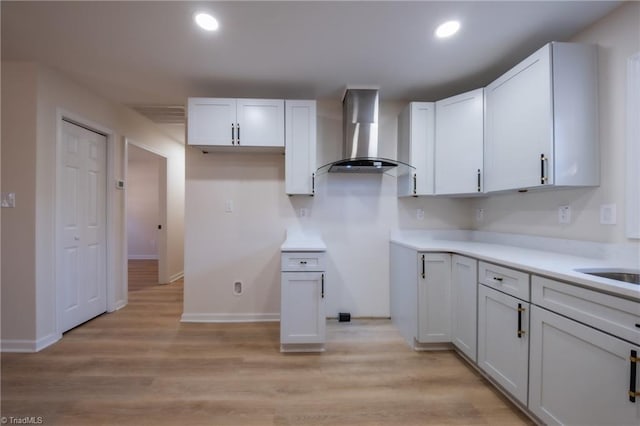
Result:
x=548 y=263
x=298 y=240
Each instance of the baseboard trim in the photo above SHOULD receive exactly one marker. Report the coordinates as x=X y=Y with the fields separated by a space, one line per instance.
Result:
x=26 y=346
x=143 y=257
x=176 y=277
x=221 y=318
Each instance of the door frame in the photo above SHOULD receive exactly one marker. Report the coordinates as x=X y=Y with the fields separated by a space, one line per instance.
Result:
x=163 y=249
x=111 y=241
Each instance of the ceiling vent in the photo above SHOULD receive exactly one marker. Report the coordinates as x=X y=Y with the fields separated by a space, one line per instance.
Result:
x=162 y=114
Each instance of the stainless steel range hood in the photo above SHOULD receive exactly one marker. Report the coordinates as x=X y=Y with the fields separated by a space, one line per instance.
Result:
x=360 y=135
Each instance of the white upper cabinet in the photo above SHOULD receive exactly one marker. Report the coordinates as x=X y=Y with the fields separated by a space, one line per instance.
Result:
x=416 y=140
x=235 y=122
x=541 y=125
x=459 y=144
x=300 y=147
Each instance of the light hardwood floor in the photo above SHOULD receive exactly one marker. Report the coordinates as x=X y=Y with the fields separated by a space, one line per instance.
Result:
x=141 y=366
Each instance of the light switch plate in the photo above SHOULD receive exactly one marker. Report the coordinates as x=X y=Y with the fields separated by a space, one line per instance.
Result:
x=228 y=206
x=8 y=199
x=479 y=215
x=420 y=214
x=608 y=214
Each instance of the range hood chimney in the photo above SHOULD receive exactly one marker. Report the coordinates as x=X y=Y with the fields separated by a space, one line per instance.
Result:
x=360 y=135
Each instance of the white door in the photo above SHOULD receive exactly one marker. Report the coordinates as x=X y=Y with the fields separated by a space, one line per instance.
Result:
x=464 y=291
x=211 y=121
x=579 y=375
x=503 y=348
x=260 y=122
x=81 y=269
x=519 y=125
x=434 y=298
x=459 y=143
x=302 y=317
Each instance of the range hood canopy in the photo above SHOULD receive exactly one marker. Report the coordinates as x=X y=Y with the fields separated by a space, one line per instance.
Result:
x=360 y=135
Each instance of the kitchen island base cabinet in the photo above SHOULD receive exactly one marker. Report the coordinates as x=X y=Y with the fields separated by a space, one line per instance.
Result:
x=579 y=375
x=421 y=297
x=503 y=340
x=464 y=296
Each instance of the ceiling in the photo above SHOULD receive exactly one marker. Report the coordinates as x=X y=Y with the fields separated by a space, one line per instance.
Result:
x=150 y=53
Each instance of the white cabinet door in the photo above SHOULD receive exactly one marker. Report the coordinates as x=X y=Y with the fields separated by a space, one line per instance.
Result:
x=503 y=340
x=519 y=125
x=211 y=121
x=300 y=147
x=464 y=303
x=434 y=298
x=580 y=376
x=416 y=139
x=459 y=144
x=302 y=316
x=260 y=122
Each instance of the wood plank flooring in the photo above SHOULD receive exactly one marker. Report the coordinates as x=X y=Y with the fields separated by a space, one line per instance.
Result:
x=141 y=366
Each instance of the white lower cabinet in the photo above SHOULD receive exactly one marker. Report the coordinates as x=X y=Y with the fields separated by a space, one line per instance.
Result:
x=434 y=298
x=302 y=307
x=503 y=340
x=464 y=296
x=420 y=295
x=579 y=375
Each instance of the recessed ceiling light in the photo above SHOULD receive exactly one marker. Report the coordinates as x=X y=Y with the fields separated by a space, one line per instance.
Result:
x=447 y=29
x=206 y=21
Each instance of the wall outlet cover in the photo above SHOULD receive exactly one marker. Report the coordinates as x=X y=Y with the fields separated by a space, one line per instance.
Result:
x=479 y=215
x=564 y=214
x=420 y=214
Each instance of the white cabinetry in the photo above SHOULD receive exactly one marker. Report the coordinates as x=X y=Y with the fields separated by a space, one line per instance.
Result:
x=421 y=295
x=464 y=303
x=300 y=147
x=542 y=121
x=503 y=340
x=235 y=122
x=302 y=310
x=579 y=375
x=583 y=372
x=416 y=146
x=459 y=144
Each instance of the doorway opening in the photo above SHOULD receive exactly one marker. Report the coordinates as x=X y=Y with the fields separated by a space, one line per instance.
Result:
x=146 y=217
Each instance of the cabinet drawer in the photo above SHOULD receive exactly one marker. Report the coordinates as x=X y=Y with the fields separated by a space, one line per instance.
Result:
x=303 y=261
x=507 y=280
x=610 y=314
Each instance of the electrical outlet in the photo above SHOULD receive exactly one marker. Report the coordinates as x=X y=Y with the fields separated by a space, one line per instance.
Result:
x=420 y=214
x=564 y=214
x=228 y=206
x=479 y=215
x=304 y=212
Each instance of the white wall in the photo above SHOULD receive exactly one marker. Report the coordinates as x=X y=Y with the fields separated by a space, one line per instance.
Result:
x=354 y=213
x=536 y=213
x=55 y=93
x=18 y=224
x=143 y=203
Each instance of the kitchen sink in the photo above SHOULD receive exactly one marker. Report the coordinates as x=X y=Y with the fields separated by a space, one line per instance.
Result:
x=624 y=275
